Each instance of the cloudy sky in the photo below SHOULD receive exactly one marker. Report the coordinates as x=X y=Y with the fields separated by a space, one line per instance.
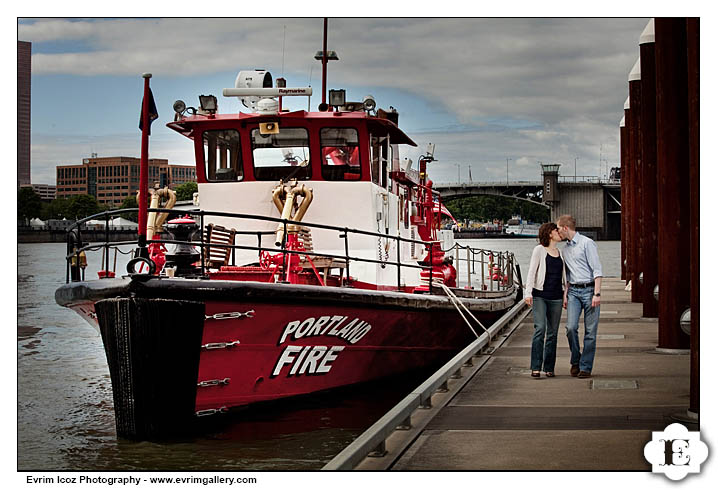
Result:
x=484 y=90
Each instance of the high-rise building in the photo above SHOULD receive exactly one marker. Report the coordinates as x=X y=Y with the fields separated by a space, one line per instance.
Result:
x=24 y=53
x=111 y=179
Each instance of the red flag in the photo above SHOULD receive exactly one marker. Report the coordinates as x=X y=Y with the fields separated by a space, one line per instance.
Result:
x=441 y=209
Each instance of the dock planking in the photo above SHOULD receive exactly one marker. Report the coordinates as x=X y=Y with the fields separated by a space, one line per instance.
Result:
x=502 y=419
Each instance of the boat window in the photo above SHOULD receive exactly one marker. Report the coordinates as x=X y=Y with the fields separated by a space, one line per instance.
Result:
x=381 y=156
x=222 y=155
x=282 y=155
x=340 y=154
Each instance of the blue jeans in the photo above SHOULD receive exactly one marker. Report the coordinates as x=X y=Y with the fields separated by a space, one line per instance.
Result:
x=579 y=299
x=547 y=316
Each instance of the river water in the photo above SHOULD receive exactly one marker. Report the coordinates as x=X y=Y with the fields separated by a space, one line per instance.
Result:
x=65 y=415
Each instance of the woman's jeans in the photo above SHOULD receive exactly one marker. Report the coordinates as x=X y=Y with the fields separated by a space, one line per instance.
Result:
x=547 y=316
x=579 y=299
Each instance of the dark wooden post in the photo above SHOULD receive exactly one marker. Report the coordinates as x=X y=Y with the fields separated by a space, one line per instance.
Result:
x=634 y=128
x=673 y=181
x=693 y=44
x=627 y=186
x=624 y=200
x=649 y=198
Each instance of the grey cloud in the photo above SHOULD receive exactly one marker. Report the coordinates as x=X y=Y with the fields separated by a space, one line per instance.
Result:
x=529 y=89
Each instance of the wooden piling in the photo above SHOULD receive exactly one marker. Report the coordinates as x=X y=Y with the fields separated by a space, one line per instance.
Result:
x=627 y=189
x=649 y=196
x=673 y=180
x=636 y=223
x=693 y=45
x=624 y=206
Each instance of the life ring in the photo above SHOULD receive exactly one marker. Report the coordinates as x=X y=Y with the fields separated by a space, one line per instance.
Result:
x=144 y=262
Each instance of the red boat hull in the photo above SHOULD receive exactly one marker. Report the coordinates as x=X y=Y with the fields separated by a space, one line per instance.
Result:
x=202 y=347
x=293 y=350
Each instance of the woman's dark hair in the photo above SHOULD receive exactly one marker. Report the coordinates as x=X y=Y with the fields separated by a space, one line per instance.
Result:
x=544 y=233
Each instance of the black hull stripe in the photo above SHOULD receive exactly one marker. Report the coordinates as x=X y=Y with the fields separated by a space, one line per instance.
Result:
x=247 y=291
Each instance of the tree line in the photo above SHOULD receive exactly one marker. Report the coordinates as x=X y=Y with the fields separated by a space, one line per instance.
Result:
x=474 y=208
x=488 y=208
x=29 y=204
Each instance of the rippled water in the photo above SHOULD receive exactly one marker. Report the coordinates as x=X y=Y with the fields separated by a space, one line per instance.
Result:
x=65 y=409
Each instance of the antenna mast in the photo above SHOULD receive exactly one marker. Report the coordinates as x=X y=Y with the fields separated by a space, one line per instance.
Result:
x=324 y=65
x=325 y=56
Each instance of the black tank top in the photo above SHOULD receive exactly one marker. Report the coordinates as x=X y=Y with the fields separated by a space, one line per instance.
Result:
x=553 y=281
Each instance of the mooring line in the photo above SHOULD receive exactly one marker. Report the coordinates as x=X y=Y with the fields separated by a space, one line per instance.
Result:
x=458 y=304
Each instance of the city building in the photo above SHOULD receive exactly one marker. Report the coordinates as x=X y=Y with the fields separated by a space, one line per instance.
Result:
x=111 y=179
x=46 y=192
x=24 y=53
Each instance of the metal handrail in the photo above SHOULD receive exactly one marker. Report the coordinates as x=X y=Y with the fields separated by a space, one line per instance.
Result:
x=376 y=435
x=344 y=233
x=504 y=259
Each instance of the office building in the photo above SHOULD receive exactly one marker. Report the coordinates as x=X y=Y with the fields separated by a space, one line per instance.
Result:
x=45 y=191
x=111 y=179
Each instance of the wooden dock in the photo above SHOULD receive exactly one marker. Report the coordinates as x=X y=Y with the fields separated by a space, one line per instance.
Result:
x=502 y=419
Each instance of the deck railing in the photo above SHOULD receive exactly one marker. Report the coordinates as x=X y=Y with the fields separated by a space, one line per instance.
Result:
x=76 y=247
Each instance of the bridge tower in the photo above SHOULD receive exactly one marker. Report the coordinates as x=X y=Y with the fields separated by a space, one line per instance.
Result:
x=549 y=173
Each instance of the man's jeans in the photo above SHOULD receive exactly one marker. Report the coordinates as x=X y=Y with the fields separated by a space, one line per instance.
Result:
x=547 y=317
x=580 y=299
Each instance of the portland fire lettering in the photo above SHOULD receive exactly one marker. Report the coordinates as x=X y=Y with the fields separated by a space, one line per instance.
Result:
x=332 y=326
x=313 y=359
x=297 y=360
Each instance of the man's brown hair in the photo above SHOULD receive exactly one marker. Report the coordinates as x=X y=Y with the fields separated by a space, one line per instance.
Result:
x=567 y=220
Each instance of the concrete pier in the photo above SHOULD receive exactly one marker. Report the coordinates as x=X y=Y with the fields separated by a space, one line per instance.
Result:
x=502 y=419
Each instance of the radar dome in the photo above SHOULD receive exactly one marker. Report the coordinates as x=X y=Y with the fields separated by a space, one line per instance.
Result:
x=252 y=79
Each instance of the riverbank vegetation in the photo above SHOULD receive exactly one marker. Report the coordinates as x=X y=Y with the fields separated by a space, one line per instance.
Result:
x=29 y=204
x=488 y=208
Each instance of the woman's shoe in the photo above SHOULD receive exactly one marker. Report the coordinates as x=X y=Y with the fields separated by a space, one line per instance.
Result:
x=535 y=374
x=550 y=374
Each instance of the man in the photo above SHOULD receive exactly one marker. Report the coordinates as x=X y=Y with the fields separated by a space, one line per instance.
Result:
x=582 y=293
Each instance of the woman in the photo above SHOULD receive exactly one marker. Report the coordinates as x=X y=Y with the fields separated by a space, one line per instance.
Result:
x=544 y=291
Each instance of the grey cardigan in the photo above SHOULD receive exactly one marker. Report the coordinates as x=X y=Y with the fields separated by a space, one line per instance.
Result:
x=537 y=270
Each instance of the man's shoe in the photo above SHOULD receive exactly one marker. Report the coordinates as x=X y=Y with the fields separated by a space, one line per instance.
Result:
x=584 y=374
x=574 y=370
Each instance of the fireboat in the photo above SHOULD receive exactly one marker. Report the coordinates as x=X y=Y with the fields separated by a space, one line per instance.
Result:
x=313 y=260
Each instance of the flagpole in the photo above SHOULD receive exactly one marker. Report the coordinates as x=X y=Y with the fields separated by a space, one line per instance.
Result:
x=144 y=178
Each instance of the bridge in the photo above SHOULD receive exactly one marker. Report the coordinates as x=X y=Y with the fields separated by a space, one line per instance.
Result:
x=531 y=191
x=594 y=202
